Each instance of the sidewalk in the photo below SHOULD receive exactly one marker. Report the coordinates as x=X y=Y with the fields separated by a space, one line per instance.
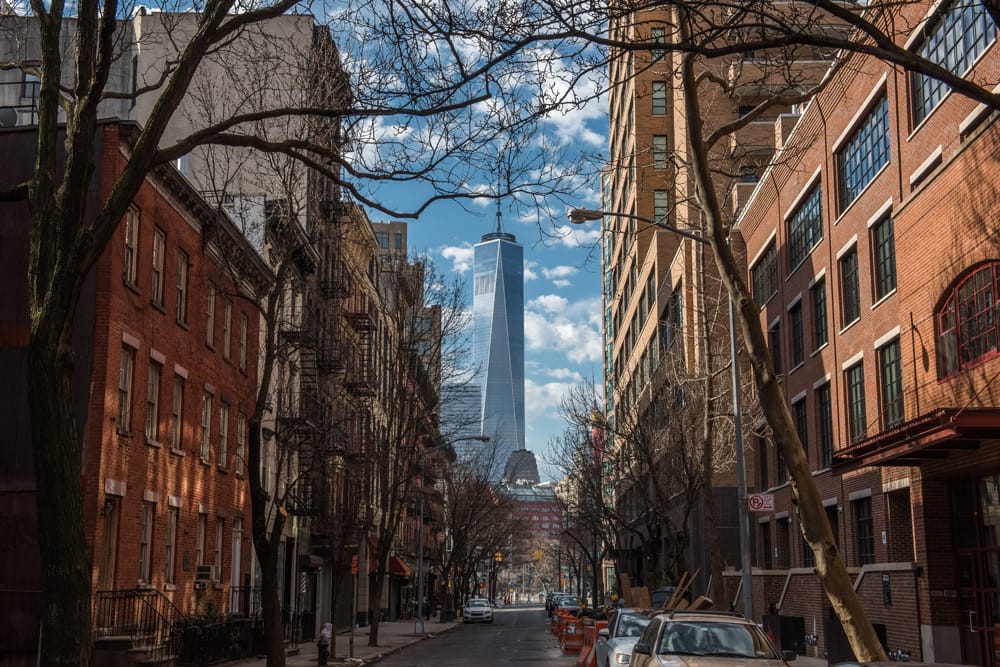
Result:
x=392 y=636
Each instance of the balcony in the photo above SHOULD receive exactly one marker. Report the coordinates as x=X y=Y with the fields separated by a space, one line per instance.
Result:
x=360 y=312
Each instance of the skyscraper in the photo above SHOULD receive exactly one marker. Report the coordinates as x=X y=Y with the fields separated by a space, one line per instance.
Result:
x=498 y=339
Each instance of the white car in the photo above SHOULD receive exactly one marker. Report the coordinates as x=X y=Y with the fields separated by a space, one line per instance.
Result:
x=615 y=642
x=477 y=610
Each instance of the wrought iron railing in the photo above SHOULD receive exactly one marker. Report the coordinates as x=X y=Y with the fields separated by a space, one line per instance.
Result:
x=145 y=616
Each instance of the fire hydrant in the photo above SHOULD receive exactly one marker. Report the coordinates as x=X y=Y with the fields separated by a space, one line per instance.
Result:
x=323 y=645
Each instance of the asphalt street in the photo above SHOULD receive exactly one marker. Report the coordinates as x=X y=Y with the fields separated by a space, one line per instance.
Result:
x=517 y=636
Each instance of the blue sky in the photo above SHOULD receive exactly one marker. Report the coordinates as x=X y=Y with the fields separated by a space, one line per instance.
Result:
x=562 y=276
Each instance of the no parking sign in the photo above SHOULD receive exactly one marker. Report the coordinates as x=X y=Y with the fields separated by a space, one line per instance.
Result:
x=760 y=502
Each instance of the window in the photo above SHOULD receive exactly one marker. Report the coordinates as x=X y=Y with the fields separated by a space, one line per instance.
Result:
x=824 y=425
x=399 y=240
x=659 y=98
x=967 y=323
x=767 y=561
x=199 y=540
x=177 y=413
x=774 y=345
x=227 y=328
x=865 y=531
x=658 y=36
x=170 y=562
x=153 y=402
x=383 y=239
x=856 y=401
x=131 y=241
x=244 y=329
x=797 y=335
x=241 y=442
x=660 y=203
x=764 y=276
x=182 y=272
x=223 y=434
x=206 y=426
x=159 y=241
x=850 y=294
x=210 y=315
x=126 y=374
x=146 y=542
x=962 y=32
x=891 y=384
x=884 y=258
x=805 y=227
x=660 y=151
x=220 y=532
x=801 y=418
x=808 y=557
x=864 y=154
x=819 y=320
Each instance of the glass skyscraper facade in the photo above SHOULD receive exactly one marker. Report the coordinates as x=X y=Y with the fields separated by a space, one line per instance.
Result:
x=498 y=339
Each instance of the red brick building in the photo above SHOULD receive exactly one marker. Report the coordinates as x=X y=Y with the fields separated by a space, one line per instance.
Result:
x=872 y=252
x=166 y=342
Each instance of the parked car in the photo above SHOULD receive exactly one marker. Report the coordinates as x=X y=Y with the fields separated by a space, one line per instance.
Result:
x=477 y=610
x=705 y=639
x=552 y=599
x=569 y=603
x=615 y=642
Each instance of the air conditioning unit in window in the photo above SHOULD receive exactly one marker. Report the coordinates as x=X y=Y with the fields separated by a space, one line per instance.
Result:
x=202 y=576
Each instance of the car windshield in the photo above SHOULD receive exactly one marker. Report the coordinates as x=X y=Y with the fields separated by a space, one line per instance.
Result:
x=734 y=640
x=478 y=603
x=632 y=625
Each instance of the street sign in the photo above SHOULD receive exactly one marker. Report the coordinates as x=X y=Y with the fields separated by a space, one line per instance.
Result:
x=760 y=502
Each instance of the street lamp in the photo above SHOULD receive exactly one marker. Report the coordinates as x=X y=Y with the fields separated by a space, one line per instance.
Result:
x=418 y=622
x=578 y=216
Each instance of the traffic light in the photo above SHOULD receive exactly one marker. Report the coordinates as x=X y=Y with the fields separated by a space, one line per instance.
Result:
x=498 y=557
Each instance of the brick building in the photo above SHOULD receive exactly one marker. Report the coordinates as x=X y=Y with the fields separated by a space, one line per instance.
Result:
x=166 y=376
x=871 y=246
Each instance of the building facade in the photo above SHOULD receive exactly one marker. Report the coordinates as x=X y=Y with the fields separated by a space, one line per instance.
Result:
x=498 y=340
x=872 y=255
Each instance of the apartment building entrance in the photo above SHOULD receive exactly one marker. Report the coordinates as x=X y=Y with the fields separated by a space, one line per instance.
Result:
x=976 y=531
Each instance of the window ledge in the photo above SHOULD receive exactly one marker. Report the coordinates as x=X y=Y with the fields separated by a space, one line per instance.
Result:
x=154 y=443
x=884 y=299
x=183 y=325
x=796 y=367
x=177 y=452
x=819 y=349
x=205 y=462
x=158 y=306
x=122 y=433
x=132 y=287
x=169 y=587
x=223 y=469
x=850 y=324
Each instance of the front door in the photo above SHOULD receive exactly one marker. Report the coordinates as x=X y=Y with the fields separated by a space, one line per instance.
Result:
x=111 y=514
x=976 y=528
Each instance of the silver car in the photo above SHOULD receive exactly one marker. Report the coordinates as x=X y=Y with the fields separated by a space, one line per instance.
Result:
x=615 y=642
x=477 y=610
x=705 y=639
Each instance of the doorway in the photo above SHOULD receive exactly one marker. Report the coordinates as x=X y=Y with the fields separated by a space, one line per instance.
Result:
x=976 y=531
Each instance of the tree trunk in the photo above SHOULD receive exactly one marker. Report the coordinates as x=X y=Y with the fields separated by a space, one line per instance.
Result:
x=270 y=606
x=65 y=627
x=375 y=584
x=815 y=525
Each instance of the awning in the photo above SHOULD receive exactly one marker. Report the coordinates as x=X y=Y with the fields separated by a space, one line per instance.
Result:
x=930 y=437
x=398 y=567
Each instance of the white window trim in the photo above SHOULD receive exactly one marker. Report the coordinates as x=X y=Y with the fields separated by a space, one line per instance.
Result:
x=793 y=207
x=847 y=247
x=863 y=110
x=853 y=361
x=886 y=338
x=880 y=213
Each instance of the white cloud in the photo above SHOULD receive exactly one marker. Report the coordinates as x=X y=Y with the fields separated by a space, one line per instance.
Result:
x=562 y=283
x=460 y=256
x=529 y=271
x=561 y=271
x=544 y=400
x=572 y=236
x=552 y=324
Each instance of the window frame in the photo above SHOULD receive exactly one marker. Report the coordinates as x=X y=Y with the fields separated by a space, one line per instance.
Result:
x=227 y=329
x=147 y=527
x=764 y=274
x=854 y=395
x=864 y=527
x=170 y=544
x=658 y=93
x=805 y=227
x=800 y=417
x=210 y=307
x=884 y=278
x=177 y=414
x=954 y=349
x=850 y=287
x=824 y=424
x=865 y=153
x=126 y=390
x=244 y=339
x=130 y=260
x=183 y=261
x=206 y=427
x=797 y=335
x=891 y=393
x=661 y=151
x=820 y=318
x=153 y=379
x=241 y=440
x=156 y=266
x=223 y=452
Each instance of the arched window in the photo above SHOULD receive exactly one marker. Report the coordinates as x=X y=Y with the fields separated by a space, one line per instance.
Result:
x=967 y=320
